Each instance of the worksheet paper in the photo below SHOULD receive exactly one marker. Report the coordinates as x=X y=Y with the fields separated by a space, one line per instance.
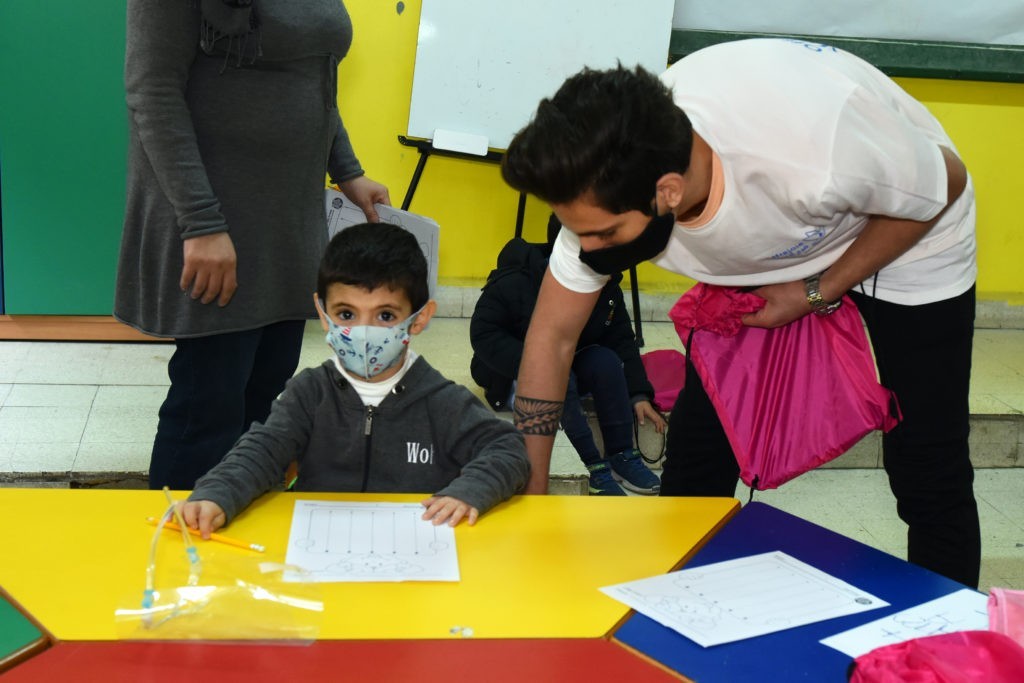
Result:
x=742 y=598
x=343 y=213
x=340 y=541
x=965 y=610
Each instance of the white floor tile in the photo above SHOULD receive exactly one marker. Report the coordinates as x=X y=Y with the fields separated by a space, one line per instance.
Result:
x=1014 y=399
x=129 y=399
x=314 y=346
x=5 y=390
x=991 y=404
x=53 y=457
x=1003 y=570
x=42 y=425
x=51 y=395
x=110 y=427
x=1005 y=483
x=1001 y=523
x=113 y=457
x=12 y=359
x=63 y=370
x=138 y=364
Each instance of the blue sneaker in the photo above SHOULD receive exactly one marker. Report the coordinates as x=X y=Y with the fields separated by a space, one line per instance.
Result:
x=629 y=468
x=601 y=481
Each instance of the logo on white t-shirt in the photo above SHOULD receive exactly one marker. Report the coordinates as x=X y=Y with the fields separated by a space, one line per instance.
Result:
x=804 y=246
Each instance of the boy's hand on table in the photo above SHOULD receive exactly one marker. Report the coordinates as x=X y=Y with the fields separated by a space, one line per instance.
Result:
x=445 y=508
x=204 y=515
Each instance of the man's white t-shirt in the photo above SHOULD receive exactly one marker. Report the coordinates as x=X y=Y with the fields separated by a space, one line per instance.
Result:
x=809 y=143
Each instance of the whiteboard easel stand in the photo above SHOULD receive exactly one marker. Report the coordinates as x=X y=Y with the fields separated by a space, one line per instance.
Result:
x=426 y=148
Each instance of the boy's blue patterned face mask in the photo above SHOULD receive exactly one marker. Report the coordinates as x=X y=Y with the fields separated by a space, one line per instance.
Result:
x=368 y=350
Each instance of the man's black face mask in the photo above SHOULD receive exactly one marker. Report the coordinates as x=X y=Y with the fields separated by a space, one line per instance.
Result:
x=645 y=246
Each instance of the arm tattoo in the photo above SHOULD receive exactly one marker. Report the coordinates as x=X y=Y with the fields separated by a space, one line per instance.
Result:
x=536 y=416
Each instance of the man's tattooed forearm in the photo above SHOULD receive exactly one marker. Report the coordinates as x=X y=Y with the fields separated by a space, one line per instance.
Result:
x=537 y=417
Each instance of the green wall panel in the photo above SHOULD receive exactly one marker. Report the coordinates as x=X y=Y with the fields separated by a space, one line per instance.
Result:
x=63 y=137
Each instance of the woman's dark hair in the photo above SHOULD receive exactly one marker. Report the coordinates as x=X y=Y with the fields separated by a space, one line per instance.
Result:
x=612 y=132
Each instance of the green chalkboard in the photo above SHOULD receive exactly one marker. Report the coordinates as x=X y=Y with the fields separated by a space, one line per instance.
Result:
x=912 y=58
x=63 y=142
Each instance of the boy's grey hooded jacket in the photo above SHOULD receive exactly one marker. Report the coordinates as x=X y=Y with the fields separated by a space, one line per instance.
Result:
x=429 y=435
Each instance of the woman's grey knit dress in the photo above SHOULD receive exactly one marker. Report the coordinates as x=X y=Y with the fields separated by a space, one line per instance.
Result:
x=217 y=146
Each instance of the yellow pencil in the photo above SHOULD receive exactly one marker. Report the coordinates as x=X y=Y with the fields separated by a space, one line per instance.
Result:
x=213 y=537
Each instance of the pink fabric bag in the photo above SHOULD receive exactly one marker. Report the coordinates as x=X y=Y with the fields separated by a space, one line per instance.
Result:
x=961 y=657
x=666 y=371
x=789 y=398
x=1006 y=614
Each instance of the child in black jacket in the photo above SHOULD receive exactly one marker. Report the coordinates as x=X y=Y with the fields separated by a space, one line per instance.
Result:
x=607 y=365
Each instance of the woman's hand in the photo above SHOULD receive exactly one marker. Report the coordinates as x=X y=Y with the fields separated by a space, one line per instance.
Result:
x=365 y=193
x=210 y=268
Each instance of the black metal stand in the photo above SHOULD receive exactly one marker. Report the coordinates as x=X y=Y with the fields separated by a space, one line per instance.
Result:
x=426 y=148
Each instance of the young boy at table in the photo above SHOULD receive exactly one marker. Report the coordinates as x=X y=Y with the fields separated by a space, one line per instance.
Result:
x=375 y=416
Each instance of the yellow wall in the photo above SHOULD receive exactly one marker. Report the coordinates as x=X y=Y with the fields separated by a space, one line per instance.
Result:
x=476 y=210
x=986 y=121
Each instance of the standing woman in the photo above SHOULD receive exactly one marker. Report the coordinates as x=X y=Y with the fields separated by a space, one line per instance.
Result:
x=233 y=123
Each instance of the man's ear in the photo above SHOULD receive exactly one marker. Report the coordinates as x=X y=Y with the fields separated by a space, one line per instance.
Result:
x=320 y=311
x=669 y=192
x=420 y=324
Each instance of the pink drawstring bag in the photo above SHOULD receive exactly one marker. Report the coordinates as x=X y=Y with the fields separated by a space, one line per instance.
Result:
x=960 y=657
x=789 y=398
x=666 y=371
x=1006 y=614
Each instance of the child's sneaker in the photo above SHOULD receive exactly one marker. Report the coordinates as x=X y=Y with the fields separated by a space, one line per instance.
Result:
x=628 y=468
x=601 y=481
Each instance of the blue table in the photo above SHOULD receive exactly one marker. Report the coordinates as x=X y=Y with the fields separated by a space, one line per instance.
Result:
x=794 y=654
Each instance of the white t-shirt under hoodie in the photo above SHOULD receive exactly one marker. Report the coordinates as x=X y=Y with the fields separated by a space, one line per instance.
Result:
x=809 y=142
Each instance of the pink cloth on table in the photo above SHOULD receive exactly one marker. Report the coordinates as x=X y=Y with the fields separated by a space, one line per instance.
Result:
x=1006 y=614
x=961 y=657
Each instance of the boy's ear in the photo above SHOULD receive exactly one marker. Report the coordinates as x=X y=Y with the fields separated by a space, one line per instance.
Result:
x=423 y=318
x=320 y=311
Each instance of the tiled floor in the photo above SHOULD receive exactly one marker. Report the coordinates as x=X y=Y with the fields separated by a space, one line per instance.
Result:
x=86 y=413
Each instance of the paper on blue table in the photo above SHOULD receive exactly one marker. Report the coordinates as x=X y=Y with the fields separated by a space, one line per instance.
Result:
x=742 y=598
x=965 y=610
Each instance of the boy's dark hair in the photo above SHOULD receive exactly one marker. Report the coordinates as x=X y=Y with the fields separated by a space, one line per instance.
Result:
x=372 y=255
x=614 y=132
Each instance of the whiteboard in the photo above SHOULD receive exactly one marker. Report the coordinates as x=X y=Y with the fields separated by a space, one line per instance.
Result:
x=482 y=66
x=997 y=22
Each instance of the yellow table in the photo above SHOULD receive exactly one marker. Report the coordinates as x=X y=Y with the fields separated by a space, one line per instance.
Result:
x=529 y=568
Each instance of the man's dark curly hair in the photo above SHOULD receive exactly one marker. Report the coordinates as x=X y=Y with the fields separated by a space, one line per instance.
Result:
x=612 y=132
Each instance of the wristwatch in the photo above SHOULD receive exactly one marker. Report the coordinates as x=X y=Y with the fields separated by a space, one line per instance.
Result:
x=819 y=306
